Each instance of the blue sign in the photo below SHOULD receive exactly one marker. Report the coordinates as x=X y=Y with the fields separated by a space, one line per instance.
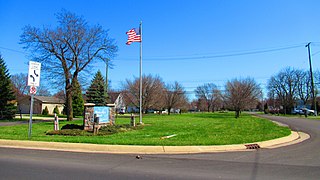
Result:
x=103 y=113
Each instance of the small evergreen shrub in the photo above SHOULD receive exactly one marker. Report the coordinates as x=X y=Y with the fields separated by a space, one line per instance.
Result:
x=45 y=111
x=56 y=110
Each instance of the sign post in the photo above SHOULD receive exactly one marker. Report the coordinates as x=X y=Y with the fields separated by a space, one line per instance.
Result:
x=32 y=92
x=33 y=82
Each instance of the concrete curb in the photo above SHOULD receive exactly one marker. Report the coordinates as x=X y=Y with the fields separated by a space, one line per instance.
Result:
x=293 y=138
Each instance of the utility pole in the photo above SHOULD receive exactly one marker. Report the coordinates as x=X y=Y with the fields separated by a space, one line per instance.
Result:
x=312 y=83
x=106 y=83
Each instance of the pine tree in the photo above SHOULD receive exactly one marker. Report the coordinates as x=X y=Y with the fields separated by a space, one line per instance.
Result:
x=45 y=111
x=77 y=99
x=7 y=98
x=96 y=92
x=56 y=110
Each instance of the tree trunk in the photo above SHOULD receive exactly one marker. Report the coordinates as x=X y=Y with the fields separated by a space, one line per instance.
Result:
x=237 y=113
x=69 y=101
x=169 y=111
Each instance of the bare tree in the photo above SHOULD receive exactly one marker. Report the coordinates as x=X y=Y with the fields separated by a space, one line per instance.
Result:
x=284 y=86
x=304 y=86
x=316 y=77
x=68 y=49
x=60 y=94
x=209 y=96
x=43 y=91
x=152 y=92
x=242 y=94
x=174 y=96
x=19 y=81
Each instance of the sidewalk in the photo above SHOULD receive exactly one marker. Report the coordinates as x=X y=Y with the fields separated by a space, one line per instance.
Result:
x=293 y=138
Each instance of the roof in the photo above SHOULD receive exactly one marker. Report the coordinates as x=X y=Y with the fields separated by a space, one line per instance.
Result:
x=49 y=99
x=113 y=96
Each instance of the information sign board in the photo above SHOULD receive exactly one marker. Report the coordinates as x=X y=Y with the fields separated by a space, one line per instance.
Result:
x=103 y=113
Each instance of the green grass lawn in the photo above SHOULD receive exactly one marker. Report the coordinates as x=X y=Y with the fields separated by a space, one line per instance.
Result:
x=190 y=129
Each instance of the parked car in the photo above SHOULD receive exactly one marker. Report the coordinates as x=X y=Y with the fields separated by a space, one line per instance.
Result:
x=297 y=111
x=309 y=111
x=121 y=111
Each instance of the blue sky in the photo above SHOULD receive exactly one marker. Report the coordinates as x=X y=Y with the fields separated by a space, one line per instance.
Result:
x=192 y=42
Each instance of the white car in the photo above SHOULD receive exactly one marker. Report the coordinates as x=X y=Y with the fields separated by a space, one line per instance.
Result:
x=309 y=111
x=298 y=111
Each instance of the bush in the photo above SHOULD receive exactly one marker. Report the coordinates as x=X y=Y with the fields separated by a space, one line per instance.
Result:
x=107 y=130
x=76 y=130
x=56 y=110
x=72 y=126
x=45 y=111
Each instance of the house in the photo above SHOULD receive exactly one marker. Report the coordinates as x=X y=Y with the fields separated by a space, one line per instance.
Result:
x=118 y=100
x=39 y=104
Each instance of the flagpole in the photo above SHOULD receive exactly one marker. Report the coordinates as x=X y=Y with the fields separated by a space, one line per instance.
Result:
x=140 y=113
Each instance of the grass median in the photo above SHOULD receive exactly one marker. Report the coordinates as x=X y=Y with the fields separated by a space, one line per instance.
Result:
x=187 y=129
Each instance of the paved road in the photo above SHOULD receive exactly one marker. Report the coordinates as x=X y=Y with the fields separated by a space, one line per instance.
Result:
x=300 y=161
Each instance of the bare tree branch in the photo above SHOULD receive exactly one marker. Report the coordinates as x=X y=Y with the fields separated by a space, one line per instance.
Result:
x=68 y=49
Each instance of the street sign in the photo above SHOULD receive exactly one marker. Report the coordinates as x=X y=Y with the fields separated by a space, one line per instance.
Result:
x=34 y=73
x=33 y=90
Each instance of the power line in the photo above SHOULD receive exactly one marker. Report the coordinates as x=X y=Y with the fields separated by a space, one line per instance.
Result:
x=206 y=56
x=217 y=55
x=13 y=50
x=315 y=53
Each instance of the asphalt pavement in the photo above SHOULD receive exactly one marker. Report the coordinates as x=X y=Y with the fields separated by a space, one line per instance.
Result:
x=291 y=161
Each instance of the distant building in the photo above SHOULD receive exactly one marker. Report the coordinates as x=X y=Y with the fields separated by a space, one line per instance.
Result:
x=117 y=99
x=40 y=103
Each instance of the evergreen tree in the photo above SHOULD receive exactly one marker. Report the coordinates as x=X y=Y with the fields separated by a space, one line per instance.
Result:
x=45 y=111
x=7 y=97
x=77 y=99
x=96 y=92
x=56 y=110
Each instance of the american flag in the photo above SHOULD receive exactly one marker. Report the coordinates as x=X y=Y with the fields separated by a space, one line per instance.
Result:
x=133 y=35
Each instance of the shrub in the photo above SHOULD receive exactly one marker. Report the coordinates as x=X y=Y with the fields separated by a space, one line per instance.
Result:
x=45 y=111
x=56 y=110
x=76 y=130
x=72 y=126
x=107 y=130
